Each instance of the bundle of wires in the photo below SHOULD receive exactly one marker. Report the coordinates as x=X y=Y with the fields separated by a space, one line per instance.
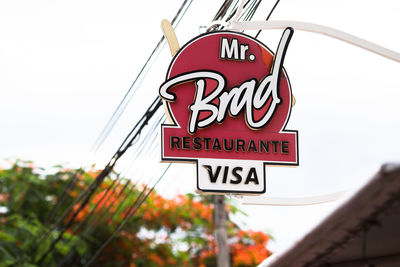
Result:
x=137 y=152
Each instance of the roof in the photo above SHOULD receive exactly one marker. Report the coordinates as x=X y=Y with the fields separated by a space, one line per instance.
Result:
x=365 y=229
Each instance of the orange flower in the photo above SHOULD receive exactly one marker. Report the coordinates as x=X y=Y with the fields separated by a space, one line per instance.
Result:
x=74 y=193
x=155 y=258
x=243 y=257
x=4 y=197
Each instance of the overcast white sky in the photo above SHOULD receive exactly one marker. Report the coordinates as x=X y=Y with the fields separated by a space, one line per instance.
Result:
x=65 y=65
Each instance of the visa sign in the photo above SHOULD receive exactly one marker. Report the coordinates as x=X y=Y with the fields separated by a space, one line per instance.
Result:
x=228 y=100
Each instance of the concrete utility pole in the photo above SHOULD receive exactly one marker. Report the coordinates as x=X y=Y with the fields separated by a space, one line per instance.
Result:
x=223 y=259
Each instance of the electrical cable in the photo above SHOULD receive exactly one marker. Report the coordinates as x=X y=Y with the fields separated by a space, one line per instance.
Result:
x=223 y=10
x=122 y=149
x=248 y=11
x=239 y=10
x=71 y=184
x=234 y=11
x=73 y=180
x=103 y=199
x=86 y=195
x=91 y=226
x=125 y=220
x=269 y=15
x=131 y=213
x=127 y=97
x=142 y=146
x=249 y=8
x=253 y=11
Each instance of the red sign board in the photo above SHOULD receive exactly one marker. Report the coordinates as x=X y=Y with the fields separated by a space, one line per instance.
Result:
x=228 y=99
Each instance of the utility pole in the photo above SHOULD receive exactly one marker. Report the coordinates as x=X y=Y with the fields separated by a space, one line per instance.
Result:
x=223 y=259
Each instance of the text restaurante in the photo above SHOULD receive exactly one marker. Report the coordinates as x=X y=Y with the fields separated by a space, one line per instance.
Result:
x=237 y=145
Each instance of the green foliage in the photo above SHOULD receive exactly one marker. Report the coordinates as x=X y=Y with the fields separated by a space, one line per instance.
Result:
x=27 y=199
x=163 y=232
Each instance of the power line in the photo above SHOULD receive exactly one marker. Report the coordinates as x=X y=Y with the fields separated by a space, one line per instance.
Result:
x=129 y=94
x=71 y=184
x=91 y=226
x=109 y=240
x=125 y=220
x=223 y=9
x=252 y=8
x=86 y=194
x=269 y=15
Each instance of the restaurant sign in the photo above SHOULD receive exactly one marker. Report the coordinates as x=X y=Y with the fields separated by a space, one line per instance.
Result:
x=228 y=100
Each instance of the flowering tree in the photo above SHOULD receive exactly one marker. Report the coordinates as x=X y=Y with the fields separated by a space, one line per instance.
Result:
x=162 y=232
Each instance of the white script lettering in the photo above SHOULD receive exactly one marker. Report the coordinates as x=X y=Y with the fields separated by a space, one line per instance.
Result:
x=247 y=96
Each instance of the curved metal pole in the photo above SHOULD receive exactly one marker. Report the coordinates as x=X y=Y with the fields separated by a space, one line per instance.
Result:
x=295 y=201
x=316 y=28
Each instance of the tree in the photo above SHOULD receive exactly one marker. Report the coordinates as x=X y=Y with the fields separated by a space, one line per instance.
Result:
x=162 y=232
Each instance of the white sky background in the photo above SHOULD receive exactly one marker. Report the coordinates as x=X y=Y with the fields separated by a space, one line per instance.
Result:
x=65 y=66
